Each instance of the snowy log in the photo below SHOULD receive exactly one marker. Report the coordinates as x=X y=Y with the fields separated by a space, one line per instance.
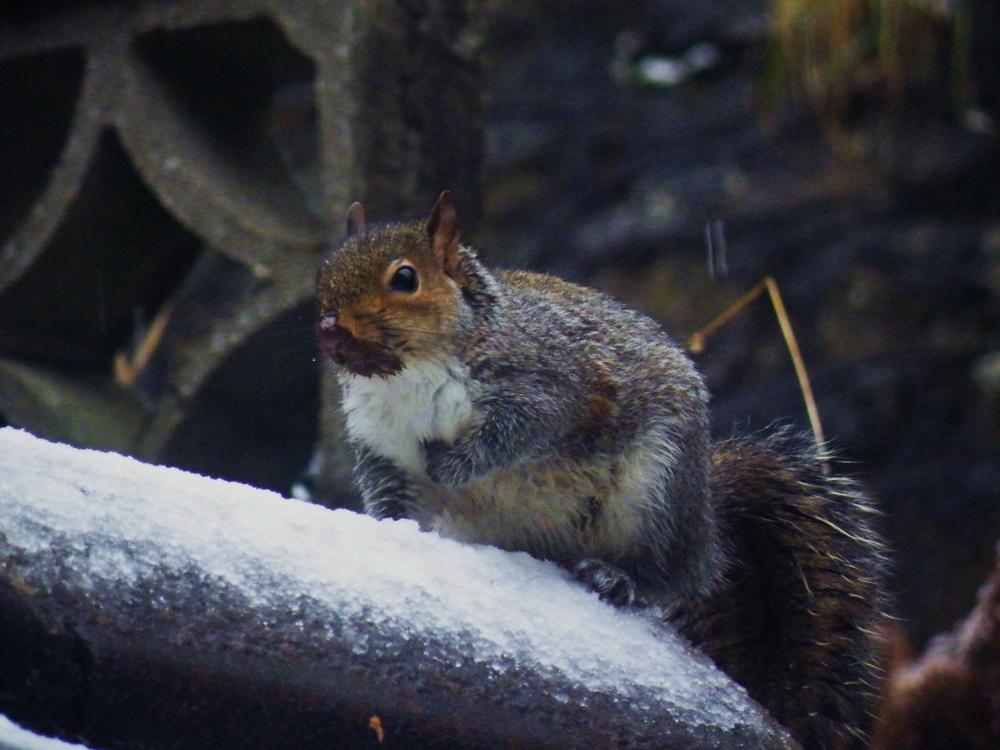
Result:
x=145 y=607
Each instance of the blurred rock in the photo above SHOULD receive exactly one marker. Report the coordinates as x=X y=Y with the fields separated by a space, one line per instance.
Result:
x=947 y=698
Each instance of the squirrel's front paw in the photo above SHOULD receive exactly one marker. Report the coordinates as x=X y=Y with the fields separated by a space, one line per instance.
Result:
x=612 y=584
x=444 y=466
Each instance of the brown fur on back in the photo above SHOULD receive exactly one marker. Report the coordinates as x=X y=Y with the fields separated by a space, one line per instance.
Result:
x=797 y=617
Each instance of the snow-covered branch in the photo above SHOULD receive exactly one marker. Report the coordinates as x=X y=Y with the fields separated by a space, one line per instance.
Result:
x=141 y=606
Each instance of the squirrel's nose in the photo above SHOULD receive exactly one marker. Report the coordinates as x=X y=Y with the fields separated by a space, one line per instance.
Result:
x=334 y=338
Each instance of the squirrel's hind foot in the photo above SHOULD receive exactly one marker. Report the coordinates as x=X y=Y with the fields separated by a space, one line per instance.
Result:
x=612 y=584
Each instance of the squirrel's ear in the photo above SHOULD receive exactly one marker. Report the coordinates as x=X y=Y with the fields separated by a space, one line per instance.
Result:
x=442 y=228
x=355 y=219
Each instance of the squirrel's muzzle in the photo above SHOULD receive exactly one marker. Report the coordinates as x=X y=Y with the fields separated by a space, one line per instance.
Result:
x=359 y=357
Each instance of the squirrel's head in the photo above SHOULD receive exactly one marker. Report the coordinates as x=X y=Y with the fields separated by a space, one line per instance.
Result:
x=399 y=293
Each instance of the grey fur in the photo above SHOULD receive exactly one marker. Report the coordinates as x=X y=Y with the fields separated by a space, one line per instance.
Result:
x=564 y=381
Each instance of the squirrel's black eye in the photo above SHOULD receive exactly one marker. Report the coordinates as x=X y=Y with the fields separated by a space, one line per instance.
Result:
x=404 y=280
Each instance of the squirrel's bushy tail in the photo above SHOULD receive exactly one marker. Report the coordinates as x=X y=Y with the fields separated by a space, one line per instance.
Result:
x=798 y=617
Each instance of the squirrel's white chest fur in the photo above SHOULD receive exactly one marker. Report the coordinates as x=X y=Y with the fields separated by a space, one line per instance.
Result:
x=394 y=415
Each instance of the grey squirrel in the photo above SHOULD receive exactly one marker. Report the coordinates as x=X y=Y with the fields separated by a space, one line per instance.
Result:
x=519 y=410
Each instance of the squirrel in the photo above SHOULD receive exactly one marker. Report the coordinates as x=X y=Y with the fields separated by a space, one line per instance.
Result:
x=522 y=411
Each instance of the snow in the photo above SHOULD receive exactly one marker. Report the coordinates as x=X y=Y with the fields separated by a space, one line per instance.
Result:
x=13 y=737
x=502 y=605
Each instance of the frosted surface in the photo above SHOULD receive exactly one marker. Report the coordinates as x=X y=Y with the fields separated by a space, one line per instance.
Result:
x=499 y=605
x=13 y=737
